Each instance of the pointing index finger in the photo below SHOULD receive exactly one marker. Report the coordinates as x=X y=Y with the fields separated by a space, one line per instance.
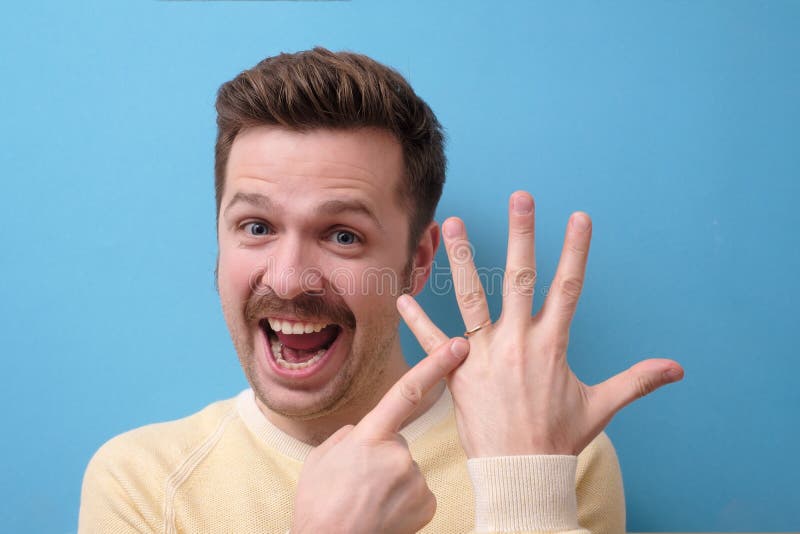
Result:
x=407 y=393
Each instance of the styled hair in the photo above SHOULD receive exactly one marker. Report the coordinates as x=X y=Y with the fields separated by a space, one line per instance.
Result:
x=338 y=90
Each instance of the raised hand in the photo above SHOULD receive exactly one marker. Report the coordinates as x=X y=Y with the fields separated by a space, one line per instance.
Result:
x=516 y=394
x=362 y=479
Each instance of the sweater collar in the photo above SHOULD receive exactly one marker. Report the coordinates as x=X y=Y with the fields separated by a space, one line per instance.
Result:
x=277 y=439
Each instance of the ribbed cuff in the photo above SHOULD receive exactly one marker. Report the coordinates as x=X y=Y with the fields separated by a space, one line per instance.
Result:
x=527 y=493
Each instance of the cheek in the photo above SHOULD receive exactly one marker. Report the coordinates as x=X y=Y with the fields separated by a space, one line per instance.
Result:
x=370 y=292
x=236 y=268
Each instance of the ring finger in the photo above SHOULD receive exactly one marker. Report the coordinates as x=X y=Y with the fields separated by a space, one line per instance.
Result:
x=469 y=289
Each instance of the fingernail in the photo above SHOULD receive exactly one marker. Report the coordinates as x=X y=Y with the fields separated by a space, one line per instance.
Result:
x=672 y=374
x=459 y=348
x=580 y=222
x=523 y=204
x=452 y=228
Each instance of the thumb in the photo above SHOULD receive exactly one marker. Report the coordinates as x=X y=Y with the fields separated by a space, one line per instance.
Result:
x=639 y=380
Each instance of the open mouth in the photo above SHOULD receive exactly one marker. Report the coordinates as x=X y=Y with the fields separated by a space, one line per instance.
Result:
x=297 y=345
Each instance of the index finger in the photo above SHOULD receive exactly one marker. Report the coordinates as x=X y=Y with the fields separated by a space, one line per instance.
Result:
x=406 y=394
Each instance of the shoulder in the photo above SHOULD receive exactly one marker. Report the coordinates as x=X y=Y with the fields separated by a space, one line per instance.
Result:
x=166 y=440
x=125 y=480
x=154 y=450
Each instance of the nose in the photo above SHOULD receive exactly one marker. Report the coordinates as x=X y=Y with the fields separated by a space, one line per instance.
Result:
x=292 y=268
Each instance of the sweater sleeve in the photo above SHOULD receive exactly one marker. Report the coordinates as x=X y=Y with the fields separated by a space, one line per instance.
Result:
x=112 y=502
x=550 y=493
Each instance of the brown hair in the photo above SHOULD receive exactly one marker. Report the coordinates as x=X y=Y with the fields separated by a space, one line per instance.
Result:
x=322 y=89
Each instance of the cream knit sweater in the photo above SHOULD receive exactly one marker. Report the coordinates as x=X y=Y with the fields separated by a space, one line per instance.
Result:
x=227 y=469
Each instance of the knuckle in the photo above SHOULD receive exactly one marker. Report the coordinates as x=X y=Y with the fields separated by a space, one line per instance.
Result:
x=571 y=287
x=430 y=342
x=402 y=444
x=523 y=230
x=413 y=471
x=555 y=345
x=401 y=461
x=405 y=462
x=429 y=504
x=457 y=382
x=513 y=350
x=644 y=386
x=523 y=280
x=472 y=298
x=577 y=248
x=410 y=391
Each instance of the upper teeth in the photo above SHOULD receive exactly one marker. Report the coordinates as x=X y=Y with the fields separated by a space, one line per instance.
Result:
x=295 y=327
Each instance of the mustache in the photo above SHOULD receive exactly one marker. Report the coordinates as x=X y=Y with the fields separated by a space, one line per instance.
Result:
x=306 y=307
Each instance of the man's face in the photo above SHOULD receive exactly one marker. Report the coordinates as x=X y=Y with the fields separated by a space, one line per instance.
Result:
x=312 y=239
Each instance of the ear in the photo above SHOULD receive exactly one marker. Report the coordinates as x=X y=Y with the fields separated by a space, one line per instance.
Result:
x=423 y=257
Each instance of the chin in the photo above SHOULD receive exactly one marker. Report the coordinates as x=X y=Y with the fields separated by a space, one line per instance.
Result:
x=304 y=405
x=345 y=372
x=308 y=392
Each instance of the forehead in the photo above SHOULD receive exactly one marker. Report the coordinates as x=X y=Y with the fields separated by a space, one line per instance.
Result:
x=367 y=162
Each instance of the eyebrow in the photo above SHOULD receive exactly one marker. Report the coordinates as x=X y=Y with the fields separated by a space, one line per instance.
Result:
x=335 y=207
x=254 y=199
x=329 y=207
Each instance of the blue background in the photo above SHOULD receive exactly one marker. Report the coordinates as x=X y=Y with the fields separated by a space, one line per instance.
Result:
x=675 y=125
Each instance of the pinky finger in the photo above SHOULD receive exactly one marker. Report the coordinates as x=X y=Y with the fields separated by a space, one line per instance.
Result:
x=427 y=333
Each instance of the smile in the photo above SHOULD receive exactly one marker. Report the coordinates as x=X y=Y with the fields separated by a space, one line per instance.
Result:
x=298 y=347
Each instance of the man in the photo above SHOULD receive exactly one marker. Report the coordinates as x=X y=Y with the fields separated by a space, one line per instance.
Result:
x=328 y=172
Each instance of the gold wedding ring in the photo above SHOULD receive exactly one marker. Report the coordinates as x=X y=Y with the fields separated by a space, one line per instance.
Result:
x=471 y=331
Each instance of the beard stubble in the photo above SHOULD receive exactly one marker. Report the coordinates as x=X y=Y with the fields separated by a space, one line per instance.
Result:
x=362 y=375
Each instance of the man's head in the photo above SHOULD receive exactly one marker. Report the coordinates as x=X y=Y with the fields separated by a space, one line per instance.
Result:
x=320 y=89
x=328 y=171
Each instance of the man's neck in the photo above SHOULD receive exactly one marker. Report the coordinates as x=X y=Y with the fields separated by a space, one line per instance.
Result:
x=316 y=431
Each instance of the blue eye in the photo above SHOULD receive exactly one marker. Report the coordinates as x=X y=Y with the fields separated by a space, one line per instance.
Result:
x=343 y=237
x=256 y=229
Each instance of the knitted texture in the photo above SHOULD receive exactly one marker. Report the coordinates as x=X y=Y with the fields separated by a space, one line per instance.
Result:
x=227 y=469
x=507 y=488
